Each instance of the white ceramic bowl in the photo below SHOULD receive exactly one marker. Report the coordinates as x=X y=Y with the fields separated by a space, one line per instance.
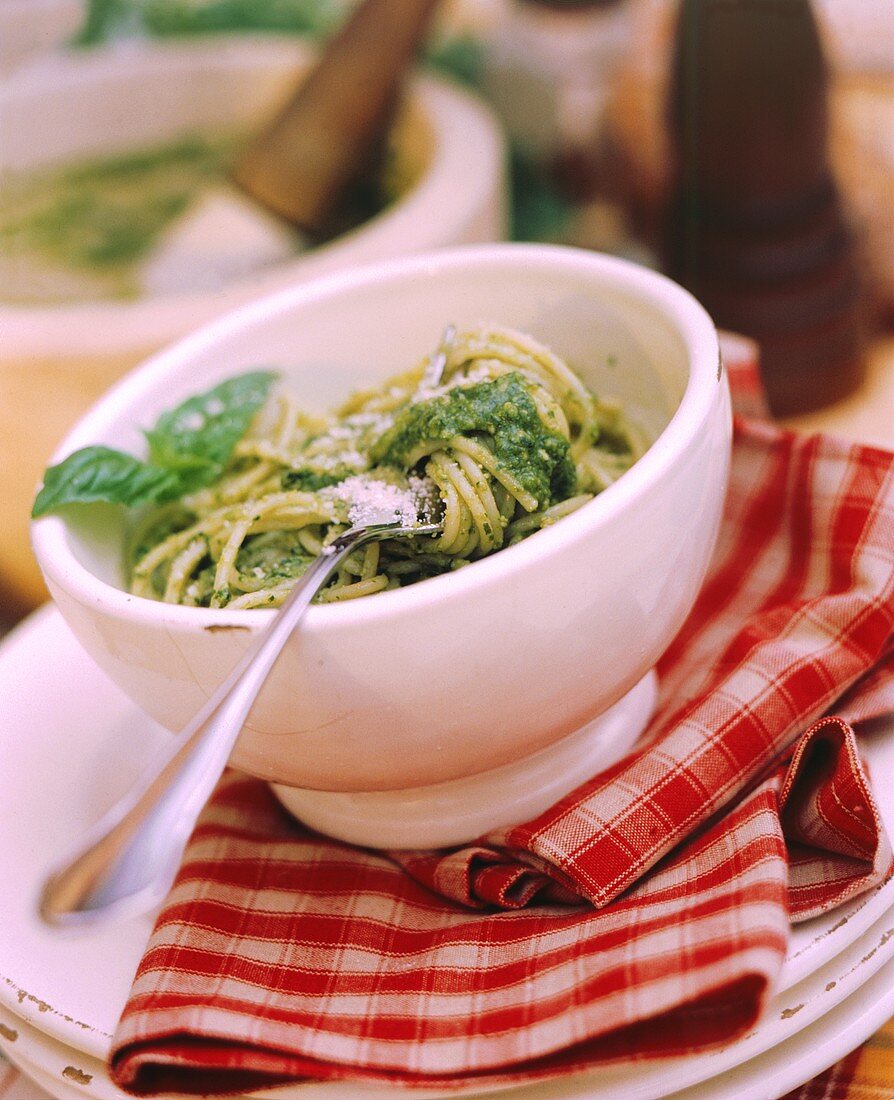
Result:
x=90 y=103
x=462 y=673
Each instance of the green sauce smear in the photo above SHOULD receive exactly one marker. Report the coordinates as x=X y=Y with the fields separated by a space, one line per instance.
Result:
x=107 y=214
x=503 y=410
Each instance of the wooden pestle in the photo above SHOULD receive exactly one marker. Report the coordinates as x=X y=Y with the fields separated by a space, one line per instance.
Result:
x=332 y=130
x=755 y=227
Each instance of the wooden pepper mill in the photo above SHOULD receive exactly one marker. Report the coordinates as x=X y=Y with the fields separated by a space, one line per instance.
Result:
x=755 y=227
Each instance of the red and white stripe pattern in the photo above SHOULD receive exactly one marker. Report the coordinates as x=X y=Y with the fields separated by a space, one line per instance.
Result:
x=645 y=915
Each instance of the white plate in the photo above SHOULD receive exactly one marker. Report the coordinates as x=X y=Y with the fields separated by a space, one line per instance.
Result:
x=71 y=743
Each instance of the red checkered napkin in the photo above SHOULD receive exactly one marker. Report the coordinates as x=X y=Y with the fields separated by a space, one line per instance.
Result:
x=644 y=915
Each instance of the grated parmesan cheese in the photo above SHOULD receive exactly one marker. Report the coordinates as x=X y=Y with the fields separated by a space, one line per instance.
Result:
x=374 y=500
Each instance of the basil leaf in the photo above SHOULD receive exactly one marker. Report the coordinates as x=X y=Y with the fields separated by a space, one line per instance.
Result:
x=188 y=448
x=196 y=440
x=102 y=474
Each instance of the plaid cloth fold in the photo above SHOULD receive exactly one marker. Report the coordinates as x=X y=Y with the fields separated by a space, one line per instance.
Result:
x=644 y=915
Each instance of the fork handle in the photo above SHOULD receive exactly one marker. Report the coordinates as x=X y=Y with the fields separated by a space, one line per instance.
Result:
x=128 y=859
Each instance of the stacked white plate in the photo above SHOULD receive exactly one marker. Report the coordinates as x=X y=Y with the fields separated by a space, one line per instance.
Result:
x=71 y=743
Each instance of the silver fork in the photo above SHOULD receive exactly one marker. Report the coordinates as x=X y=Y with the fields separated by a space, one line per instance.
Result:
x=437 y=361
x=128 y=859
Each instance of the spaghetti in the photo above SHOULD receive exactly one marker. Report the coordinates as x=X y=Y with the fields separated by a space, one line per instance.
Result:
x=508 y=441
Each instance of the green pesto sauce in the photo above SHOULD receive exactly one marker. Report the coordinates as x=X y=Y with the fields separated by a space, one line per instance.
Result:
x=311 y=480
x=503 y=410
x=103 y=217
x=278 y=555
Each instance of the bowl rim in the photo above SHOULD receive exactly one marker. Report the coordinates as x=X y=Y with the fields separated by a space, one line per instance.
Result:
x=461 y=126
x=49 y=534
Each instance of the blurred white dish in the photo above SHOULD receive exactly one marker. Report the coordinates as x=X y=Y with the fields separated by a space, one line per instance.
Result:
x=71 y=742
x=105 y=101
x=56 y=360
x=468 y=671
